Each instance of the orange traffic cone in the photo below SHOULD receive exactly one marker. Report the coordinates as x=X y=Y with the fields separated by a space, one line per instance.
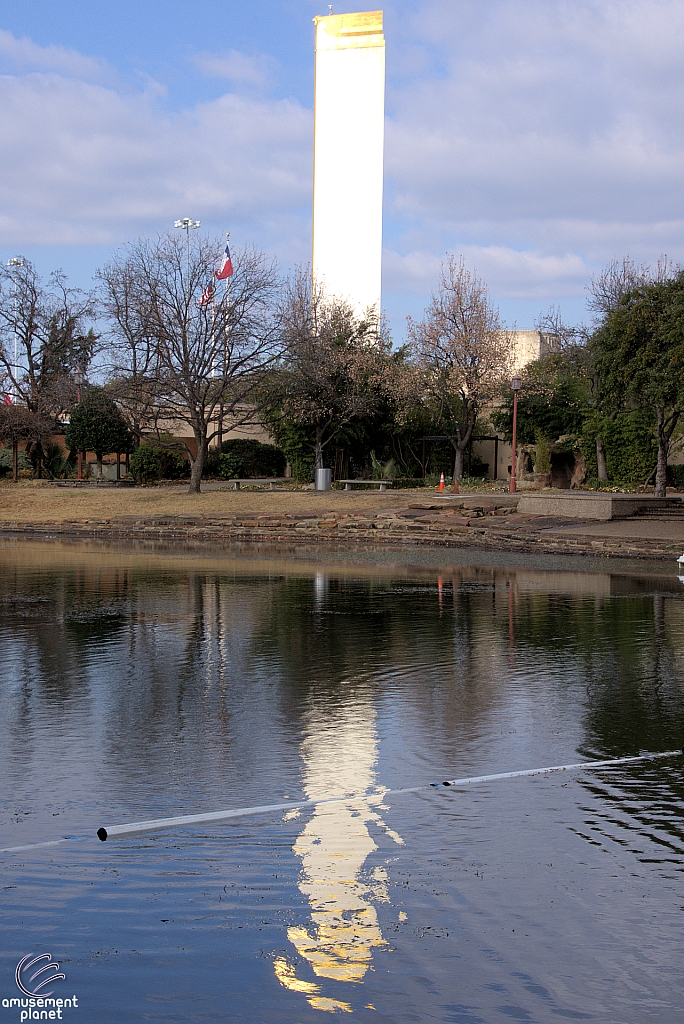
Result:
x=441 y=483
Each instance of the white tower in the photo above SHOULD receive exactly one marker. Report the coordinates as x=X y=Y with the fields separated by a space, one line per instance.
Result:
x=349 y=115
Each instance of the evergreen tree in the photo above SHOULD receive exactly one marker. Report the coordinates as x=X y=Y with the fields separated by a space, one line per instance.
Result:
x=96 y=425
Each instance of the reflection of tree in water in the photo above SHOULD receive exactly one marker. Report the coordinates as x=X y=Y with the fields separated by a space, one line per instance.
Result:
x=51 y=621
x=58 y=619
x=189 y=677
x=625 y=651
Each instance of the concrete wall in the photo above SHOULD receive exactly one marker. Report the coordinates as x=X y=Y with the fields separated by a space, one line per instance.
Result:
x=349 y=113
x=589 y=504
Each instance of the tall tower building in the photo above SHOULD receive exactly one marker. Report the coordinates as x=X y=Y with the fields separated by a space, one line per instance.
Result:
x=349 y=116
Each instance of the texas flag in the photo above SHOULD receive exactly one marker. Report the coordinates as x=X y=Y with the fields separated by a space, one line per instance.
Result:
x=226 y=267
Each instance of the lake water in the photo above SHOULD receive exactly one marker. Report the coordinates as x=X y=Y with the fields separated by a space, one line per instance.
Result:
x=137 y=684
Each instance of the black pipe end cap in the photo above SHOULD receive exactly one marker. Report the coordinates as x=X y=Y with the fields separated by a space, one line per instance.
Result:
x=102 y=834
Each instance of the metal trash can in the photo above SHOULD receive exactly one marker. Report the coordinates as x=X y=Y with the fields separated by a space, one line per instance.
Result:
x=323 y=479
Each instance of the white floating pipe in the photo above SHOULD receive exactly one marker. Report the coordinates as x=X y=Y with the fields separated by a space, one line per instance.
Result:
x=191 y=819
x=155 y=824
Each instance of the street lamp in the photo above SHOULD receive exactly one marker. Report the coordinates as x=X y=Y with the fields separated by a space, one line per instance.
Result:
x=15 y=261
x=515 y=385
x=185 y=224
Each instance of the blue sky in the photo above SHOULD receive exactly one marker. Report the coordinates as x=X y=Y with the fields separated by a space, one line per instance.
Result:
x=539 y=139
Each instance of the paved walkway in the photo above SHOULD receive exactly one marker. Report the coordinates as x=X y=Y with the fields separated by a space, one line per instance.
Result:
x=632 y=529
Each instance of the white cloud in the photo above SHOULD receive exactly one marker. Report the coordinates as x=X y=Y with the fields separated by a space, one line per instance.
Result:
x=87 y=164
x=25 y=55
x=509 y=273
x=551 y=127
x=539 y=138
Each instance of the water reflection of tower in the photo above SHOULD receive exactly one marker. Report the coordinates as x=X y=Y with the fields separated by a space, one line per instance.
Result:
x=339 y=754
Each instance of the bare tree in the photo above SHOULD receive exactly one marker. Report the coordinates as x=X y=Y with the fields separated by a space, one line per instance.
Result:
x=132 y=357
x=51 y=326
x=464 y=354
x=191 y=350
x=619 y=278
x=570 y=337
x=334 y=364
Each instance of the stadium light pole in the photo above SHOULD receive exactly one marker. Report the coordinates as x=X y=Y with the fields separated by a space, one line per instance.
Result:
x=185 y=224
x=79 y=381
x=515 y=385
x=15 y=261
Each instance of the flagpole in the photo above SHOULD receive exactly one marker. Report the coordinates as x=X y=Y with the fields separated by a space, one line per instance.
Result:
x=213 y=333
x=223 y=368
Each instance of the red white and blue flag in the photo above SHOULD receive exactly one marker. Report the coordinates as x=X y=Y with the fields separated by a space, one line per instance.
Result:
x=207 y=295
x=226 y=267
x=8 y=399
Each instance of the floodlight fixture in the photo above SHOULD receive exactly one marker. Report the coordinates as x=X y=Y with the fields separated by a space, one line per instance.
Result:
x=185 y=223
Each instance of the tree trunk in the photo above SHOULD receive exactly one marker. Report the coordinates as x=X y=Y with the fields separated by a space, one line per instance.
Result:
x=118 y=466
x=98 y=456
x=602 y=472
x=663 y=446
x=198 y=465
x=318 y=461
x=15 y=461
x=458 y=465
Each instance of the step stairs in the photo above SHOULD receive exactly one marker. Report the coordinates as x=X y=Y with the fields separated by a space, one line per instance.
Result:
x=668 y=509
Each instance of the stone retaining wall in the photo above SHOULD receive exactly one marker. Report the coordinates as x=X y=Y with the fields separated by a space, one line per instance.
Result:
x=484 y=526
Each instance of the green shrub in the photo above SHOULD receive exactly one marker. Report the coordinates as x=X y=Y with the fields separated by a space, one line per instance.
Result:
x=383 y=470
x=630 y=445
x=241 y=456
x=408 y=481
x=542 y=462
x=231 y=466
x=675 y=477
x=52 y=461
x=163 y=461
x=146 y=463
x=23 y=461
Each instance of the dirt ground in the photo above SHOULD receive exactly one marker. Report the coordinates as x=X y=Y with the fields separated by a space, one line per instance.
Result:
x=35 y=502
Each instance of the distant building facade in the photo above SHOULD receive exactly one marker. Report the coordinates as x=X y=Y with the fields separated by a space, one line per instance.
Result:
x=531 y=345
x=528 y=346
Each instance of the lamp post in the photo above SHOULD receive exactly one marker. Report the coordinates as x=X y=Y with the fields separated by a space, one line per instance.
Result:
x=15 y=261
x=515 y=385
x=185 y=224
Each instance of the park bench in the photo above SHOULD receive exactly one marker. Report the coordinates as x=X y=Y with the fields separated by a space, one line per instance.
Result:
x=349 y=484
x=257 y=482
